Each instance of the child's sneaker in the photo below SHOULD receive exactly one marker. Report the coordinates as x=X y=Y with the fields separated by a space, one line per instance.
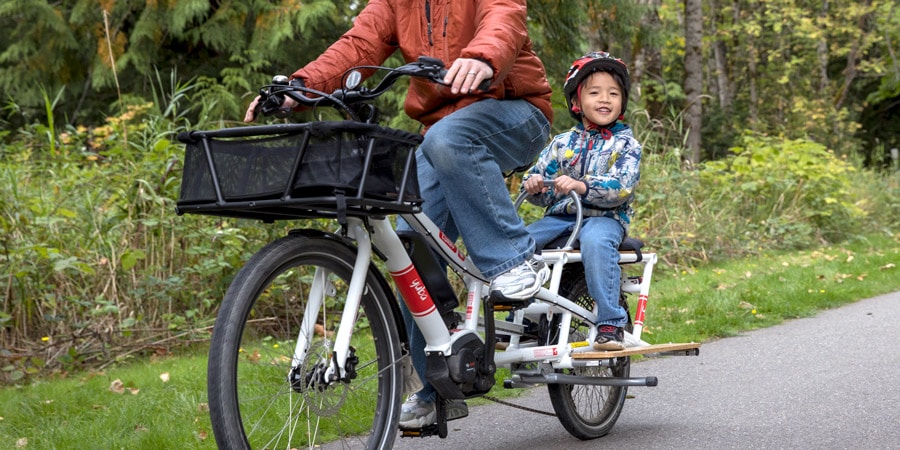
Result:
x=609 y=338
x=521 y=282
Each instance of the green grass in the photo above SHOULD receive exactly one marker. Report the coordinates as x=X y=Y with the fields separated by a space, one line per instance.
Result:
x=724 y=299
x=80 y=410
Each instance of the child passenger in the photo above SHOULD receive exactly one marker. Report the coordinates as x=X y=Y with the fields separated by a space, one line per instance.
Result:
x=599 y=159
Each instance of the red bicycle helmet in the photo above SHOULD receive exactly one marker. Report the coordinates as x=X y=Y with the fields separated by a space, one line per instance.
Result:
x=588 y=64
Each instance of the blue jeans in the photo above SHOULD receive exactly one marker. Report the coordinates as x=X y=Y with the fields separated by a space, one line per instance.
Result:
x=600 y=238
x=460 y=169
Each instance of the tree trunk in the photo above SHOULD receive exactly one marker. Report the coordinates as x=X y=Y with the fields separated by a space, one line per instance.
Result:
x=851 y=71
x=648 y=63
x=822 y=52
x=720 y=55
x=693 y=75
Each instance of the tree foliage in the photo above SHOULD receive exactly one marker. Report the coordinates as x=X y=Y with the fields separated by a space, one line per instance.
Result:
x=93 y=259
x=100 y=51
x=799 y=69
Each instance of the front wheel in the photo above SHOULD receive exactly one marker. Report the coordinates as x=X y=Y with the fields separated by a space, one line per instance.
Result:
x=262 y=395
x=585 y=411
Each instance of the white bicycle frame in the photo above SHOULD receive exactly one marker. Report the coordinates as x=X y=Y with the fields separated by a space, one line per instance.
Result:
x=379 y=232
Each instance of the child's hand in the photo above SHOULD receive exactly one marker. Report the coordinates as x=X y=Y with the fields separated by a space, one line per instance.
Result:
x=535 y=185
x=565 y=184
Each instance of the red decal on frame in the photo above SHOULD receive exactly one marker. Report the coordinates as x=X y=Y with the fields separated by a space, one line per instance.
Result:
x=413 y=290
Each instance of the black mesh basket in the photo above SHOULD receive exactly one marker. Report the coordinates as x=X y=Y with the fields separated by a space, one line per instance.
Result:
x=292 y=171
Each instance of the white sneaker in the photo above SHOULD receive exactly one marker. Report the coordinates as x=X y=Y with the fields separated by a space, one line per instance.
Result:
x=415 y=414
x=521 y=282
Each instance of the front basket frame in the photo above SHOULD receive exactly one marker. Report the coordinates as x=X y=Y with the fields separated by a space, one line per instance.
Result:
x=340 y=202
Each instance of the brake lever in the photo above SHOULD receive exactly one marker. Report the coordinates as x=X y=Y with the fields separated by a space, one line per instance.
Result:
x=271 y=105
x=274 y=99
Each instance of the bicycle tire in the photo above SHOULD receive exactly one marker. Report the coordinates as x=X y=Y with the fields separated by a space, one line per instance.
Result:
x=586 y=411
x=252 y=402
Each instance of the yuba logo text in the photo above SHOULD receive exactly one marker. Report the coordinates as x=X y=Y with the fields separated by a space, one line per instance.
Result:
x=413 y=290
x=417 y=286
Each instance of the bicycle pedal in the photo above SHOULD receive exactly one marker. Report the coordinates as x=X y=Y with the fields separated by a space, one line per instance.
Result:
x=504 y=303
x=426 y=431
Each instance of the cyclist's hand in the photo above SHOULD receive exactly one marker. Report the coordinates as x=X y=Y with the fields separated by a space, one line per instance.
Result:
x=534 y=185
x=565 y=184
x=466 y=74
x=250 y=115
x=288 y=104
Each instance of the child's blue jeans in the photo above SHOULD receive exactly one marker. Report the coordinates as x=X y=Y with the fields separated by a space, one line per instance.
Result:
x=600 y=238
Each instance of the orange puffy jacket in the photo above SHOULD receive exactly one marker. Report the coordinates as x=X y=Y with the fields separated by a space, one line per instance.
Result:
x=493 y=31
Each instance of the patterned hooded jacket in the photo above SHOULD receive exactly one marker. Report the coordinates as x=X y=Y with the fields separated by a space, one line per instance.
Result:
x=607 y=160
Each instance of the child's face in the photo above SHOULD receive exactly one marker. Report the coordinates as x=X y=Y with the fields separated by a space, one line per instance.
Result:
x=600 y=99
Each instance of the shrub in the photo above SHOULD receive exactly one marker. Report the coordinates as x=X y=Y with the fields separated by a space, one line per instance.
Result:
x=785 y=194
x=96 y=266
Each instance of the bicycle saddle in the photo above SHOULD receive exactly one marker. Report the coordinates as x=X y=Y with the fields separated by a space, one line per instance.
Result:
x=629 y=244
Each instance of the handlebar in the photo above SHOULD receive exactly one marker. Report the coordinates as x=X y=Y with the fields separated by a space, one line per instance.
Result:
x=579 y=213
x=272 y=95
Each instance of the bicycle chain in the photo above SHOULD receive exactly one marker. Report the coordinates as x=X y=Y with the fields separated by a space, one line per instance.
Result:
x=523 y=408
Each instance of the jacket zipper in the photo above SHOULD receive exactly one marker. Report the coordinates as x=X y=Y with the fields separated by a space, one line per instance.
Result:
x=428 y=19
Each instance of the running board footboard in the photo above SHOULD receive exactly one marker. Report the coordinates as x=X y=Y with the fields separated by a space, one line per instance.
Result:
x=561 y=378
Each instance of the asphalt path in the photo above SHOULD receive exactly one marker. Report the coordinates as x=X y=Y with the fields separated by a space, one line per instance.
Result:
x=825 y=382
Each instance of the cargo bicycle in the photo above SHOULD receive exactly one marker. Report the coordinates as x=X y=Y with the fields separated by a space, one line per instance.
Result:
x=309 y=347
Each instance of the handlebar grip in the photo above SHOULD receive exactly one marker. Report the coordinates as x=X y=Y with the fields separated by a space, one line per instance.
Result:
x=273 y=97
x=483 y=86
x=271 y=105
x=579 y=213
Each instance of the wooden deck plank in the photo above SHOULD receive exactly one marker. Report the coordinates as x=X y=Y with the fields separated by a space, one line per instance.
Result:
x=689 y=348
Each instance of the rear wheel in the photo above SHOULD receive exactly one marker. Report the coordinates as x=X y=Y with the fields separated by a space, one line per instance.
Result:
x=585 y=411
x=258 y=398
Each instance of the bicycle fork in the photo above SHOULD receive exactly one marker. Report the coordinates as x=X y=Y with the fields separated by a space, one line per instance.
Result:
x=408 y=282
x=337 y=366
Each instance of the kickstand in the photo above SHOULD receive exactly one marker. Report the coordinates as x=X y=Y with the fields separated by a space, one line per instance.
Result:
x=441 y=410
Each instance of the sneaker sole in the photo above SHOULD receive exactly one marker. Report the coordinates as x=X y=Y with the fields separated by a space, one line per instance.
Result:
x=609 y=346
x=419 y=422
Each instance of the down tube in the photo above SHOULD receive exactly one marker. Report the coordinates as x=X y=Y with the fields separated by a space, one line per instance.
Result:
x=412 y=288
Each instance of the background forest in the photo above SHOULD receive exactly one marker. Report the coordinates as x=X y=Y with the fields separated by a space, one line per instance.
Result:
x=766 y=125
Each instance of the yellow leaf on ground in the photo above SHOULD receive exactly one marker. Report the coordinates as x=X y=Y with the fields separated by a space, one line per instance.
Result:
x=117 y=387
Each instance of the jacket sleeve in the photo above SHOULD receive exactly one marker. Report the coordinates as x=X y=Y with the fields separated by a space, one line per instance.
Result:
x=502 y=33
x=370 y=41
x=613 y=186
